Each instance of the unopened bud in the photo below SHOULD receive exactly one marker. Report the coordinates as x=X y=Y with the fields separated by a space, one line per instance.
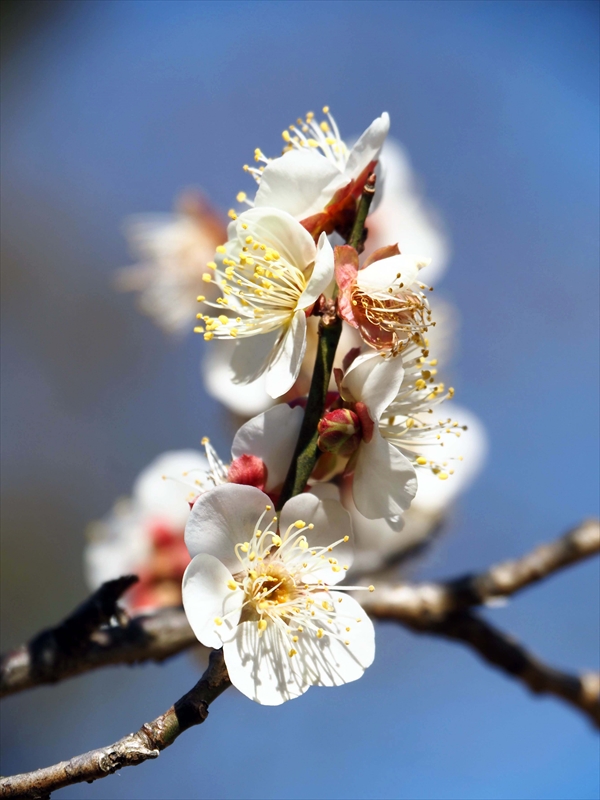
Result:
x=339 y=432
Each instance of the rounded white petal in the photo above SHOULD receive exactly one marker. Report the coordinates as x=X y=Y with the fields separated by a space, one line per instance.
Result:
x=331 y=523
x=434 y=495
x=280 y=231
x=384 y=479
x=379 y=275
x=207 y=597
x=284 y=366
x=322 y=273
x=259 y=665
x=271 y=436
x=223 y=517
x=374 y=381
x=329 y=661
x=163 y=489
x=294 y=182
x=251 y=356
x=368 y=147
x=247 y=399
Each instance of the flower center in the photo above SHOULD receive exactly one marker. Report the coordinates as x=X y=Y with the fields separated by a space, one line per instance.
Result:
x=258 y=285
x=391 y=321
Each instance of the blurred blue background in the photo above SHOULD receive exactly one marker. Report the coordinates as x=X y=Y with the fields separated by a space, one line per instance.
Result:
x=110 y=108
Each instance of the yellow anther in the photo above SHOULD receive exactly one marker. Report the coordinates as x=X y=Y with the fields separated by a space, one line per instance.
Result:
x=346 y=538
x=233 y=332
x=211 y=265
x=276 y=540
x=420 y=384
x=201 y=298
x=348 y=630
x=286 y=136
x=208 y=337
x=204 y=441
x=262 y=625
x=326 y=109
x=299 y=524
x=268 y=508
x=240 y=197
x=320 y=633
x=299 y=628
x=325 y=605
x=443 y=476
x=218 y=621
x=221 y=249
x=292 y=652
x=294 y=638
x=198 y=330
x=245 y=547
x=244 y=226
x=335 y=568
x=232 y=214
x=303 y=544
x=207 y=277
x=252 y=556
x=223 y=319
x=231 y=584
x=253 y=575
x=263 y=604
x=422 y=461
x=346 y=642
x=371 y=588
x=310 y=526
x=324 y=126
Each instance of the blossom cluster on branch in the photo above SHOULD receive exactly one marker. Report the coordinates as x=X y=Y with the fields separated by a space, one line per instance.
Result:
x=301 y=277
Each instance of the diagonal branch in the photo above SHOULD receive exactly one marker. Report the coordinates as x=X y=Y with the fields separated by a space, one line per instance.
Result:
x=165 y=633
x=131 y=750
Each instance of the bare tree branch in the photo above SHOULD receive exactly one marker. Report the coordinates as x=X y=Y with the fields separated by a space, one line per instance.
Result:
x=134 y=749
x=438 y=609
x=165 y=633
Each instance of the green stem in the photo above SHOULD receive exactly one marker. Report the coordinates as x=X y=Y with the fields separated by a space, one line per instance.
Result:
x=307 y=451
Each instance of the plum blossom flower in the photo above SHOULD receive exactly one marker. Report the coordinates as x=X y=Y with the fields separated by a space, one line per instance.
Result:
x=318 y=179
x=173 y=250
x=143 y=534
x=385 y=300
x=270 y=273
x=265 y=589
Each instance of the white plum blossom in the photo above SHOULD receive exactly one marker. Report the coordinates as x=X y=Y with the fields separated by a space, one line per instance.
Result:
x=143 y=533
x=172 y=250
x=270 y=273
x=264 y=588
x=318 y=179
x=385 y=300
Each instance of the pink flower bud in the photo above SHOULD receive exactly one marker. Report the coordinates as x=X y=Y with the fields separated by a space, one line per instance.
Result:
x=340 y=432
x=248 y=470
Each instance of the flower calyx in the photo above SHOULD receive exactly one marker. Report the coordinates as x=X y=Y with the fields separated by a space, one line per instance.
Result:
x=342 y=429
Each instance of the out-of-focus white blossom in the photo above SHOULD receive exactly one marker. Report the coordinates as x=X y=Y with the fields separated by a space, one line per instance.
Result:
x=261 y=588
x=143 y=534
x=403 y=216
x=172 y=250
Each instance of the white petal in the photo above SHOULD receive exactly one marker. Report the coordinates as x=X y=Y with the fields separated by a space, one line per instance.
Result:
x=379 y=275
x=375 y=381
x=223 y=517
x=248 y=399
x=368 y=147
x=162 y=489
x=284 y=366
x=322 y=274
x=281 y=231
x=328 y=661
x=250 y=358
x=332 y=523
x=271 y=436
x=207 y=597
x=294 y=182
x=260 y=667
x=384 y=479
